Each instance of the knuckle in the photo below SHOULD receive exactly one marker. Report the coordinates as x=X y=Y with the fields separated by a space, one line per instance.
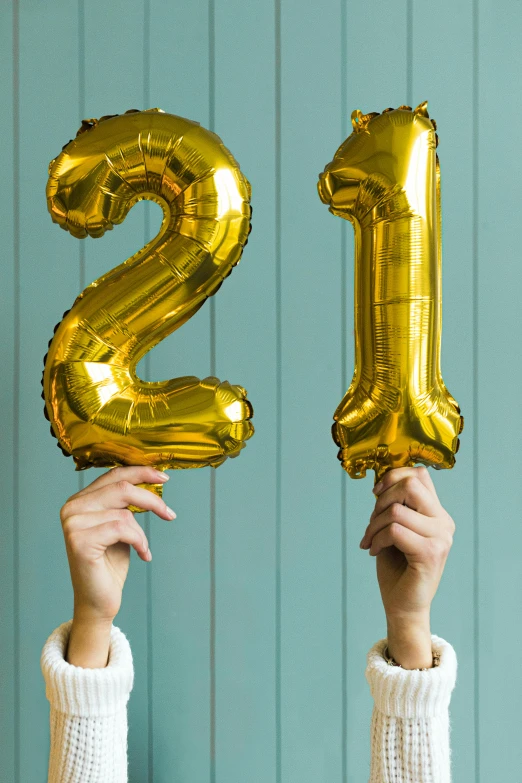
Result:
x=123 y=486
x=69 y=525
x=411 y=484
x=117 y=473
x=66 y=511
x=395 y=513
x=422 y=472
x=395 y=529
x=118 y=525
x=125 y=516
x=74 y=541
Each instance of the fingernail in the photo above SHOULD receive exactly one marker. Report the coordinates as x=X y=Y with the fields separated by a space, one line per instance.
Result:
x=161 y=476
x=171 y=513
x=362 y=542
x=148 y=555
x=377 y=488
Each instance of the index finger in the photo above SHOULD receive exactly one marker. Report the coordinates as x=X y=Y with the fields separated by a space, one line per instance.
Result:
x=117 y=495
x=134 y=474
x=391 y=477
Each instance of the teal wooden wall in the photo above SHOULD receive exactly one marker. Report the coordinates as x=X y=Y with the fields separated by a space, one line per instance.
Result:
x=251 y=625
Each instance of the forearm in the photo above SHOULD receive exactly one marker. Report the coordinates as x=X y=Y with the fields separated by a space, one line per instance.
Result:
x=409 y=640
x=89 y=642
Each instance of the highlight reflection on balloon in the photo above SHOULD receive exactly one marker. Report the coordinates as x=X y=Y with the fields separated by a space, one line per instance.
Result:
x=385 y=179
x=100 y=411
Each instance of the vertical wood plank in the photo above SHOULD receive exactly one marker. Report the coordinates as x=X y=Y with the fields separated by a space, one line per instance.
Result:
x=311 y=709
x=442 y=43
x=245 y=354
x=376 y=77
x=316 y=727
x=114 y=82
x=9 y=308
x=179 y=83
x=48 y=284
x=499 y=379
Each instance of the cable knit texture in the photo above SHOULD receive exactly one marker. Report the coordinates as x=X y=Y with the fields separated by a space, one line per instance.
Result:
x=409 y=726
x=88 y=711
x=410 y=730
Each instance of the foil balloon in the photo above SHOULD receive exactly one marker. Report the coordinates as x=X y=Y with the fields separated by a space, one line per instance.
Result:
x=385 y=179
x=100 y=411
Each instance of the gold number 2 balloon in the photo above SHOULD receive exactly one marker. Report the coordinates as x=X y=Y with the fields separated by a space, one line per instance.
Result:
x=385 y=179
x=100 y=411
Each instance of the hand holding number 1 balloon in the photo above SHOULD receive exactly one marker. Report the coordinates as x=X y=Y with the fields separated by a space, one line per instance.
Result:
x=100 y=411
x=385 y=179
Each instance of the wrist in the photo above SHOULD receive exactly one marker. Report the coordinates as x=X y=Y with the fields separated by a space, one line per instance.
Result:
x=86 y=611
x=93 y=624
x=84 y=615
x=409 y=640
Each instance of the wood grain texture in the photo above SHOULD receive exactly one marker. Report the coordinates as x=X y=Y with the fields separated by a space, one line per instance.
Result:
x=180 y=605
x=9 y=353
x=245 y=353
x=311 y=326
x=498 y=575
x=48 y=284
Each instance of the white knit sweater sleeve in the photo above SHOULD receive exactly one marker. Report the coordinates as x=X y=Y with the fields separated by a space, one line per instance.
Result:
x=409 y=726
x=410 y=729
x=88 y=712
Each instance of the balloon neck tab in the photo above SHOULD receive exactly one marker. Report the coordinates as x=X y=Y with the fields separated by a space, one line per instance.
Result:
x=156 y=489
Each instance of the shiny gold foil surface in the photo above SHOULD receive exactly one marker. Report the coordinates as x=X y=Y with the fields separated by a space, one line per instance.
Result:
x=385 y=179
x=100 y=411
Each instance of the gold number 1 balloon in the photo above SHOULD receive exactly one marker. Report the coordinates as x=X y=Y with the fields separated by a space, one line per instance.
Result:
x=385 y=179
x=100 y=411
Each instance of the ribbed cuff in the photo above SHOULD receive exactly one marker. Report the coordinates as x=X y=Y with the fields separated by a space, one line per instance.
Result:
x=74 y=690
x=407 y=693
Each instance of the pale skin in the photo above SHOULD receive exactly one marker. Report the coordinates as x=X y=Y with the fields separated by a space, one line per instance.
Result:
x=99 y=531
x=409 y=532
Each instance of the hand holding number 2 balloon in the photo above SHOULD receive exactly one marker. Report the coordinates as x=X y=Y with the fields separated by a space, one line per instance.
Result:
x=385 y=179
x=100 y=411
